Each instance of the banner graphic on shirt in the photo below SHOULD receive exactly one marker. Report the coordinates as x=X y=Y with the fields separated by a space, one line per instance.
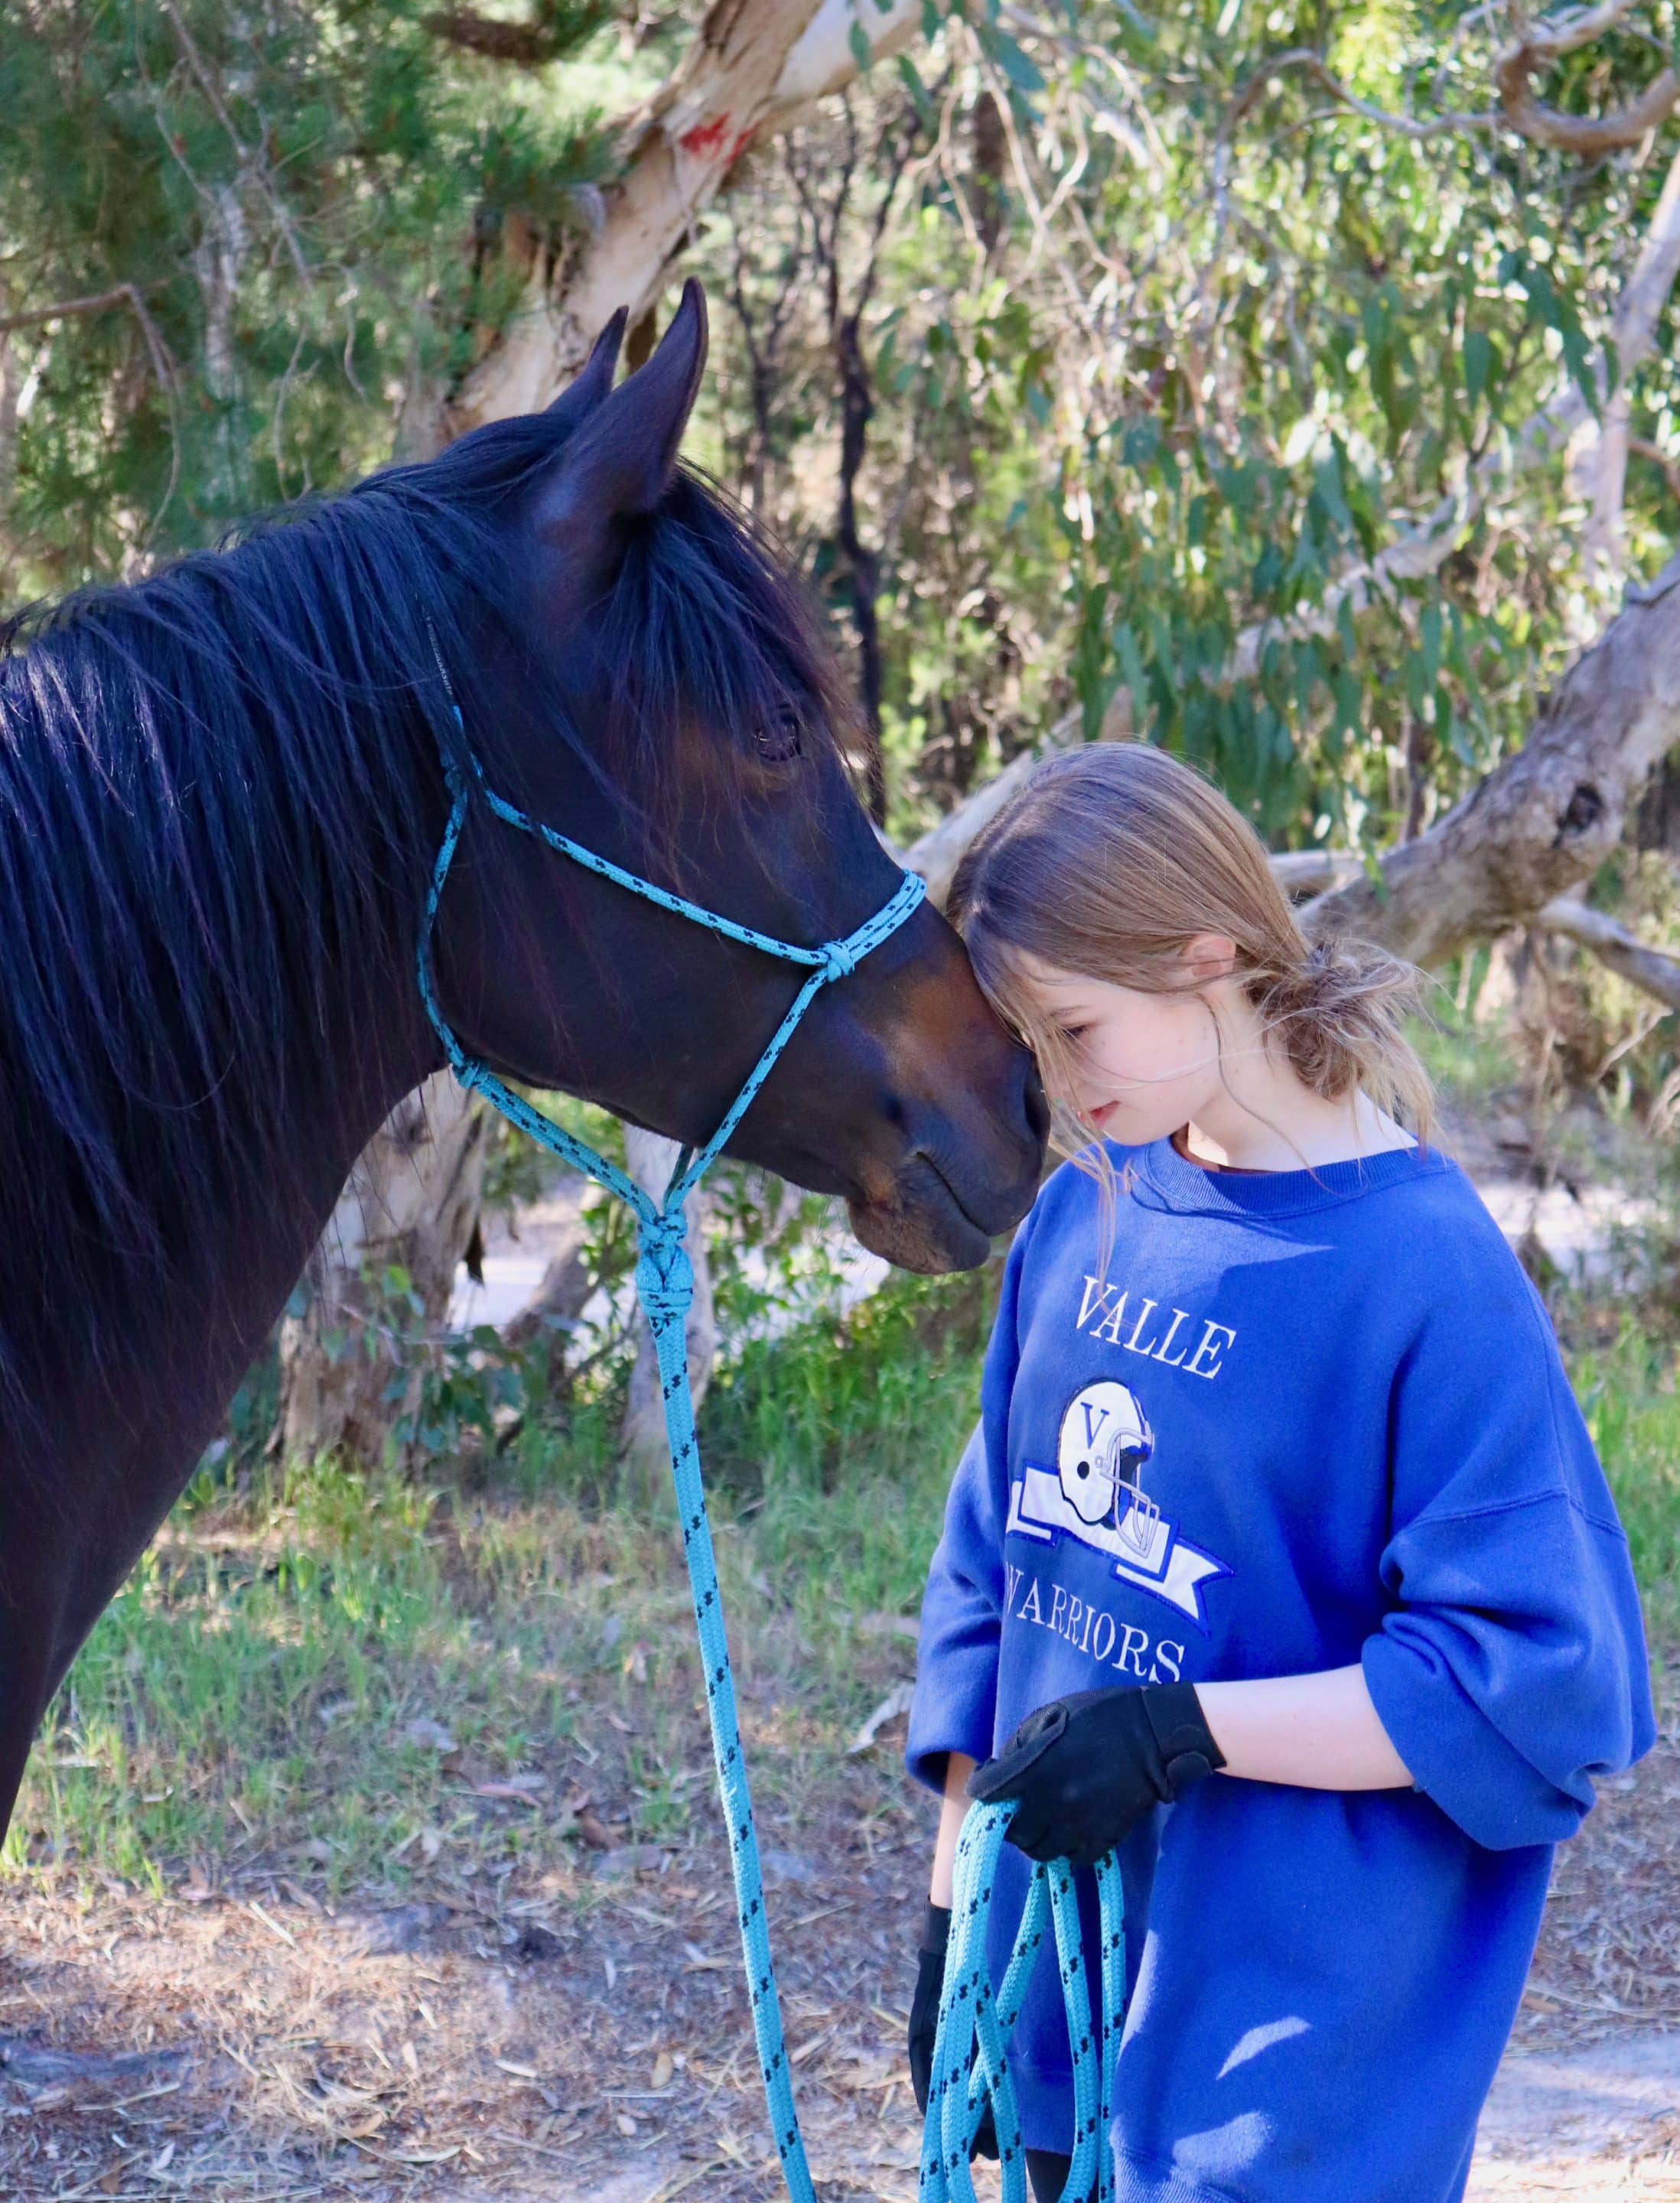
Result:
x=1095 y=1494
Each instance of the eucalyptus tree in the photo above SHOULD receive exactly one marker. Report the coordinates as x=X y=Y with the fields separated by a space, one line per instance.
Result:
x=1291 y=387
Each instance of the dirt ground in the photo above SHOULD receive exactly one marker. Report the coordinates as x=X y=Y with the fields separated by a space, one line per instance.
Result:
x=587 y=2039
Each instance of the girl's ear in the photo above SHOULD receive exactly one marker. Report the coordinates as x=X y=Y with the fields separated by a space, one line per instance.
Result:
x=1209 y=957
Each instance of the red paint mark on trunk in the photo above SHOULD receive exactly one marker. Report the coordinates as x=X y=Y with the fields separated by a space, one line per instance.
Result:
x=706 y=139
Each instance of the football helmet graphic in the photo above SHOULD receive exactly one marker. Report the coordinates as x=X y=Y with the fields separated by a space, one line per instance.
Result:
x=1104 y=1442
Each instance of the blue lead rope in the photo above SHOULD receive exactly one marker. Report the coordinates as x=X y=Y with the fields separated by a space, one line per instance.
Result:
x=665 y=1287
x=971 y=2062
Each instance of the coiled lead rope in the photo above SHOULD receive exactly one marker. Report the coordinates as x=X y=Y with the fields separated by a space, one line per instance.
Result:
x=971 y=2064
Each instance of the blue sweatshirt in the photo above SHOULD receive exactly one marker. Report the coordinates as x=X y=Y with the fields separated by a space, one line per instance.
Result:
x=1300 y=1420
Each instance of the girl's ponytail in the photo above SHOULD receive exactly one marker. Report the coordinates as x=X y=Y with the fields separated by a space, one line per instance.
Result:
x=1339 y=1015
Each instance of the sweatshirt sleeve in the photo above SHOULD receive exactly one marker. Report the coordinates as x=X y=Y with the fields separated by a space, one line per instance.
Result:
x=1511 y=1670
x=962 y=1607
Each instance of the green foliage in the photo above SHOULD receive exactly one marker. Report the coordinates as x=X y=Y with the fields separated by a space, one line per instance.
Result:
x=1158 y=361
x=1630 y=1395
x=250 y=1693
x=307 y=202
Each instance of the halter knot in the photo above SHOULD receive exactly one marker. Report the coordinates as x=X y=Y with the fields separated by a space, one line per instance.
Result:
x=839 y=959
x=664 y=1277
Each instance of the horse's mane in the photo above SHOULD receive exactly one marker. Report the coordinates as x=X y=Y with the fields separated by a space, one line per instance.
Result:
x=212 y=784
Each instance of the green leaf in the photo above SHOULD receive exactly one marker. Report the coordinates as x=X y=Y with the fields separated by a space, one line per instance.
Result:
x=1021 y=71
x=1350 y=701
x=1478 y=360
x=1428 y=631
x=910 y=77
x=1131 y=667
x=859 y=45
x=1417 y=685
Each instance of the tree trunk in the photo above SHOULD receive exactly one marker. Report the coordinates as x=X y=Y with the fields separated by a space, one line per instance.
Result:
x=1526 y=836
x=1543 y=821
x=412 y=1206
x=755 y=67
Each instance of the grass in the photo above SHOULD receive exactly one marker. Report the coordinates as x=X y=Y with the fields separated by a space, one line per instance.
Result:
x=1630 y=1395
x=311 y=1678
x=278 y=1681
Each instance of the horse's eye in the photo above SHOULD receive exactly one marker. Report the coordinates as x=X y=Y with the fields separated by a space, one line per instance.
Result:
x=778 y=738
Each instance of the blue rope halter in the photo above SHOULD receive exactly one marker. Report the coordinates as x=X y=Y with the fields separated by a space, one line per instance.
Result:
x=665 y=1287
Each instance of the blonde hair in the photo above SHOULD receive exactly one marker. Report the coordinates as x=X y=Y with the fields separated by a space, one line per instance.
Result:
x=1108 y=862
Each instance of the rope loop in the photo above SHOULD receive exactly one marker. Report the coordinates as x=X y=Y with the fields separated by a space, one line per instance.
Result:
x=839 y=959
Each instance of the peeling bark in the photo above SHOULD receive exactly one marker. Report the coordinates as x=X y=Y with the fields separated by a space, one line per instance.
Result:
x=678 y=153
x=755 y=68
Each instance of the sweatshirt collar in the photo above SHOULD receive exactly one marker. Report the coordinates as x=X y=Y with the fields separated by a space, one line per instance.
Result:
x=1187 y=1187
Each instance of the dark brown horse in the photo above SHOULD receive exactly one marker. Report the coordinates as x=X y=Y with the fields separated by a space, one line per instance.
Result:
x=220 y=794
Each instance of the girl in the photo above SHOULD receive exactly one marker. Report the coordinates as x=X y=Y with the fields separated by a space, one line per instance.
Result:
x=1280 y=1558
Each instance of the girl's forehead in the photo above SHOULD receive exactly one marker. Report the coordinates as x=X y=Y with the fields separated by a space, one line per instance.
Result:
x=1051 y=982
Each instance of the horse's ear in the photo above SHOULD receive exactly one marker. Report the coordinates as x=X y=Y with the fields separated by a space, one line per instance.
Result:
x=620 y=462
x=594 y=380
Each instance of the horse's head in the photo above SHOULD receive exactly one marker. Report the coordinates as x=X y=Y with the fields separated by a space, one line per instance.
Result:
x=659 y=696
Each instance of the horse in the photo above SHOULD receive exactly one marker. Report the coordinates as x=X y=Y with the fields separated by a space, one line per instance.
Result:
x=222 y=789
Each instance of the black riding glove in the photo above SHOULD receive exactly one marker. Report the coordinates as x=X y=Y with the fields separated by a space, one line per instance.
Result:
x=1087 y=1769
x=924 y=2019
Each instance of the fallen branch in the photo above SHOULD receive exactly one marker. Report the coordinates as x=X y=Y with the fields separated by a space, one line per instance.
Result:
x=1545 y=818
x=1653 y=970
x=937 y=855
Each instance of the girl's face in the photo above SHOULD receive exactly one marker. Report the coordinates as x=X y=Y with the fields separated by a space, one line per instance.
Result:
x=1142 y=1065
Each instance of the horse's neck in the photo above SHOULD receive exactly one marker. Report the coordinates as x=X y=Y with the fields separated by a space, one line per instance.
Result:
x=350 y=1060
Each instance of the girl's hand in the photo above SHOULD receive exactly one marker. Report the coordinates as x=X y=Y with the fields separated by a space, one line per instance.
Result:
x=1087 y=1769
x=925 y=2020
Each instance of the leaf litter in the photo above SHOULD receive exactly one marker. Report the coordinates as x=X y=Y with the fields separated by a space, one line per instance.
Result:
x=537 y=2015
